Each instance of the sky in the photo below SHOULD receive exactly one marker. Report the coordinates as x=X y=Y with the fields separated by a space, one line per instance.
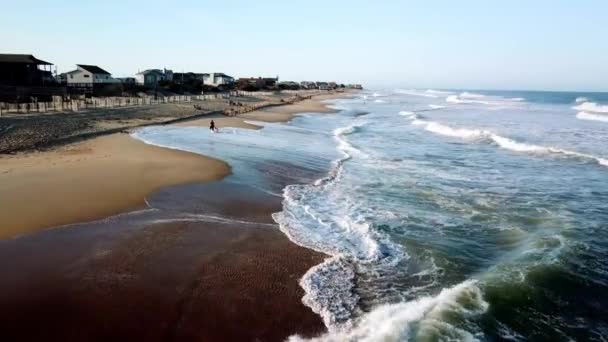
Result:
x=465 y=44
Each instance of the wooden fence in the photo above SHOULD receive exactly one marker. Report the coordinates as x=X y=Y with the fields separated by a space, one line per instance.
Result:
x=75 y=105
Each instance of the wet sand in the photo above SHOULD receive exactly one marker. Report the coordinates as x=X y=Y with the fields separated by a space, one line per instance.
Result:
x=170 y=272
x=270 y=114
x=156 y=276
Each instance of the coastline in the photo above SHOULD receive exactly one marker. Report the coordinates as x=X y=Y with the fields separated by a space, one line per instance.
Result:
x=146 y=260
x=120 y=170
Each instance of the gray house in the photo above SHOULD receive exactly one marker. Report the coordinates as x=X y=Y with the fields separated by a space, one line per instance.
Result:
x=151 y=77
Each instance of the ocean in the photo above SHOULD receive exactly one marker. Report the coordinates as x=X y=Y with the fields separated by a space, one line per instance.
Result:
x=446 y=215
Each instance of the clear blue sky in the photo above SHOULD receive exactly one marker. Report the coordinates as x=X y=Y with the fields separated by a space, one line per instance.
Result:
x=514 y=44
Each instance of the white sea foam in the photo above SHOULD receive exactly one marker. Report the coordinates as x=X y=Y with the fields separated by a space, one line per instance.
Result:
x=322 y=217
x=454 y=132
x=591 y=107
x=438 y=92
x=415 y=92
x=380 y=101
x=592 y=117
x=473 y=98
x=406 y=113
x=581 y=100
x=432 y=106
x=423 y=318
x=503 y=142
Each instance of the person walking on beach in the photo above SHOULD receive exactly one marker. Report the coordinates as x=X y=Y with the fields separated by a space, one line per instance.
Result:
x=212 y=127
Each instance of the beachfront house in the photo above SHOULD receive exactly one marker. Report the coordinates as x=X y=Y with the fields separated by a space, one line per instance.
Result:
x=188 y=77
x=323 y=85
x=89 y=76
x=308 y=85
x=289 y=85
x=217 y=79
x=258 y=83
x=25 y=76
x=151 y=77
x=24 y=70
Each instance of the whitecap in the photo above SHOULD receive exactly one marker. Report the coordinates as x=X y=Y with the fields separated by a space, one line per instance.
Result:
x=503 y=142
x=591 y=107
x=423 y=318
x=592 y=117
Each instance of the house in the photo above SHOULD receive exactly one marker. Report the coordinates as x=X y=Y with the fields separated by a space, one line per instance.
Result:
x=89 y=76
x=260 y=82
x=151 y=77
x=24 y=70
x=323 y=85
x=308 y=85
x=187 y=77
x=217 y=79
x=127 y=80
x=290 y=85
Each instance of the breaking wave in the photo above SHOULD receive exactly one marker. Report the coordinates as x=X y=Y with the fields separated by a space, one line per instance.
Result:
x=415 y=92
x=426 y=318
x=482 y=135
x=319 y=217
x=473 y=98
x=591 y=107
x=592 y=117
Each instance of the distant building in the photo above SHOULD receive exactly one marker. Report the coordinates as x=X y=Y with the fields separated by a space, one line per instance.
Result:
x=24 y=70
x=89 y=75
x=260 y=82
x=217 y=79
x=290 y=85
x=187 y=77
x=323 y=85
x=151 y=77
x=308 y=85
x=127 y=80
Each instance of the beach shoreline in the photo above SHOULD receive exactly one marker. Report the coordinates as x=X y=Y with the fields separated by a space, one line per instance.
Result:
x=140 y=264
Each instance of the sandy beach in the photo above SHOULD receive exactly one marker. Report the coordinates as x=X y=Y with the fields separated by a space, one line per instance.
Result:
x=91 y=180
x=134 y=277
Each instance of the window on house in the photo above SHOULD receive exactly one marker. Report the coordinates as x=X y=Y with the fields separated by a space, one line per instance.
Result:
x=86 y=76
x=71 y=76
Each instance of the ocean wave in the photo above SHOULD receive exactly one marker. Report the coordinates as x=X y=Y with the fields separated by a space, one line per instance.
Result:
x=473 y=98
x=581 y=100
x=426 y=318
x=503 y=142
x=322 y=218
x=415 y=92
x=591 y=107
x=406 y=113
x=438 y=92
x=592 y=117
x=432 y=106
x=379 y=101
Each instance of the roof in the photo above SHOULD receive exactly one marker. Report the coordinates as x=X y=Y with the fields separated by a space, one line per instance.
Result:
x=221 y=74
x=21 y=59
x=149 y=71
x=94 y=69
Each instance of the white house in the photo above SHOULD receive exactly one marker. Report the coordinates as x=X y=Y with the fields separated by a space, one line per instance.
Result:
x=217 y=79
x=89 y=75
x=151 y=77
